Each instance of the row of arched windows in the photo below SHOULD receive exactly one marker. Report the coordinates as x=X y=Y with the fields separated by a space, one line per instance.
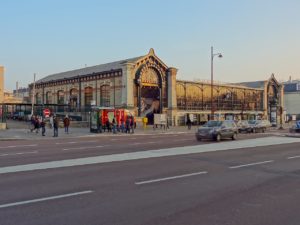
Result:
x=74 y=97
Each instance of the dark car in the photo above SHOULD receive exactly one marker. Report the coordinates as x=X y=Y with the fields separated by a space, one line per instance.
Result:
x=243 y=126
x=259 y=125
x=217 y=130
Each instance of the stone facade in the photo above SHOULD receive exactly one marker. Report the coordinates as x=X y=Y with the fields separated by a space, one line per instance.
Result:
x=146 y=85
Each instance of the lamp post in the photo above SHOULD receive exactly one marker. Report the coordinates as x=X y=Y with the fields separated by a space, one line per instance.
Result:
x=33 y=96
x=212 y=79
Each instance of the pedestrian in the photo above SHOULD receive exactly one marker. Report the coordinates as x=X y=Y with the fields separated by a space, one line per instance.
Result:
x=127 y=125
x=55 y=126
x=108 y=126
x=66 y=124
x=37 y=124
x=122 y=125
x=32 y=123
x=132 y=124
x=43 y=126
x=51 y=121
x=189 y=123
x=113 y=123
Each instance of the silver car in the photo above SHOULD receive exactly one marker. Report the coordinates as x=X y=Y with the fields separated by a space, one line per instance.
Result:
x=217 y=130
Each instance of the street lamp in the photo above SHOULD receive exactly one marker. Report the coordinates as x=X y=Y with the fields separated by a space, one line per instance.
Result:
x=212 y=79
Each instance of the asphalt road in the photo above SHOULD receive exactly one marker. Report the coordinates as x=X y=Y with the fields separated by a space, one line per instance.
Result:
x=183 y=182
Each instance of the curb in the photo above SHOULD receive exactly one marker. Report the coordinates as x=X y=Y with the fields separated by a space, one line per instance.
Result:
x=290 y=135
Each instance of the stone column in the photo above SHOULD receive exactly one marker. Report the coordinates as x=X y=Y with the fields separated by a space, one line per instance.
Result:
x=172 y=99
x=127 y=86
x=265 y=100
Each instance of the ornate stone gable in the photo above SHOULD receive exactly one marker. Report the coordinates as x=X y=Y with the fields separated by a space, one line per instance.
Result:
x=151 y=70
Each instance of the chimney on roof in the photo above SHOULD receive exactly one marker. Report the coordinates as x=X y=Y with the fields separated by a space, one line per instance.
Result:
x=290 y=79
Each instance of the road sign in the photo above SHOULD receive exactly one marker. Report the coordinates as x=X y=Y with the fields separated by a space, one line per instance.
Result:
x=46 y=113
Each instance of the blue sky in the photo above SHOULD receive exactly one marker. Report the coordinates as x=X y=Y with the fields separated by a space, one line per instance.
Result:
x=256 y=38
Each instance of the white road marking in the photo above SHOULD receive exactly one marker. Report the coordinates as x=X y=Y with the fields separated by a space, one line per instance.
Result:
x=63 y=143
x=186 y=150
x=170 y=178
x=294 y=157
x=79 y=148
x=16 y=146
x=74 y=142
x=45 y=199
x=18 y=153
x=131 y=138
x=136 y=143
x=185 y=139
x=251 y=164
x=152 y=142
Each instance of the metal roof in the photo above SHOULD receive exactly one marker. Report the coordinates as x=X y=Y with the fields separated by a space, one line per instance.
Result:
x=253 y=84
x=89 y=70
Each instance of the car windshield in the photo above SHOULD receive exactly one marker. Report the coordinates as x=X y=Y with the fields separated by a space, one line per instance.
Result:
x=213 y=124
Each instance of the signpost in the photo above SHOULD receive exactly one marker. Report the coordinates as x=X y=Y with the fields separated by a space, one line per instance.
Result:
x=46 y=113
x=160 y=119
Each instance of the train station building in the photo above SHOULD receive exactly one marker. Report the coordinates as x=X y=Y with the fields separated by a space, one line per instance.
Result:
x=146 y=85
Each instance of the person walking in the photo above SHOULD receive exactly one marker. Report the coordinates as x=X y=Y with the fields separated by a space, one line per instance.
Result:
x=127 y=125
x=189 y=123
x=132 y=124
x=43 y=126
x=66 y=124
x=113 y=123
x=51 y=121
x=108 y=126
x=122 y=125
x=55 y=126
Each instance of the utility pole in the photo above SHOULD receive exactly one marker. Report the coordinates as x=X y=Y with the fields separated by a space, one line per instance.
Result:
x=33 y=95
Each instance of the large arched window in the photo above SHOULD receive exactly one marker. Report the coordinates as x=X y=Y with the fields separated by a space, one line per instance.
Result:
x=88 y=96
x=105 y=95
x=38 y=99
x=60 y=97
x=73 y=97
x=48 y=97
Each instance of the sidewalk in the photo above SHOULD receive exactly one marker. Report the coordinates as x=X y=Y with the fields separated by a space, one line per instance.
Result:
x=20 y=131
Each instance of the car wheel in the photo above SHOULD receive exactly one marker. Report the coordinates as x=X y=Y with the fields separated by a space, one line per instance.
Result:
x=263 y=130
x=218 y=137
x=234 y=136
x=198 y=139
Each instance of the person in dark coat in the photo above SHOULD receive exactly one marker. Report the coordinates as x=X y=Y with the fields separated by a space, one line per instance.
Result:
x=66 y=124
x=127 y=125
x=43 y=126
x=189 y=123
x=55 y=126
x=108 y=125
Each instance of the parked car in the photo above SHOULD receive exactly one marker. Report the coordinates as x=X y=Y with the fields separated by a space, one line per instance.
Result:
x=243 y=126
x=217 y=130
x=259 y=125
